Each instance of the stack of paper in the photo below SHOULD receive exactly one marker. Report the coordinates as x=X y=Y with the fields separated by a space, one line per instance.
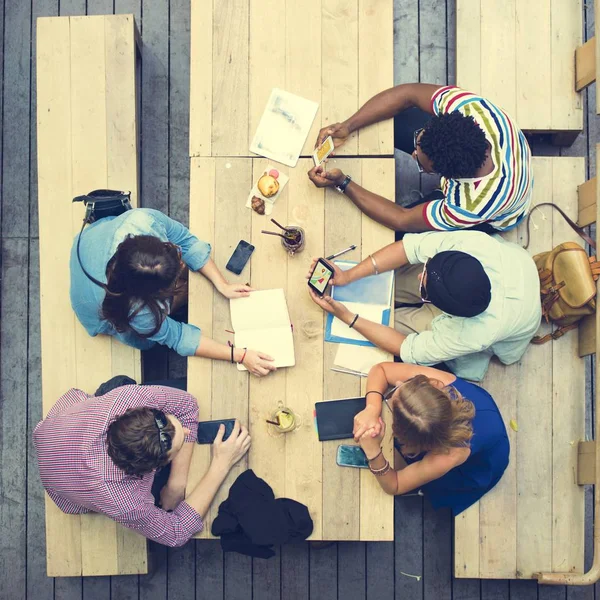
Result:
x=370 y=297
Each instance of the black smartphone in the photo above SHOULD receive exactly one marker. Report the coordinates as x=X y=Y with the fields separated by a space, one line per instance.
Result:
x=239 y=258
x=207 y=430
x=351 y=456
x=320 y=277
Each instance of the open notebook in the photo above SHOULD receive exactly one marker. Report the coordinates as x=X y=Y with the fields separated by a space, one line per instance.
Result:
x=261 y=321
x=370 y=297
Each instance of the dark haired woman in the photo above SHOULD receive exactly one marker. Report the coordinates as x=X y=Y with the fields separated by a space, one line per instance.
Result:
x=449 y=431
x=481 y=155
x=142 y=257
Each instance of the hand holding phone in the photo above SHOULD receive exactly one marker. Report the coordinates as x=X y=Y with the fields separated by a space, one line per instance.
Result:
x=207 y=430
x=320 y=277
x=228 y=453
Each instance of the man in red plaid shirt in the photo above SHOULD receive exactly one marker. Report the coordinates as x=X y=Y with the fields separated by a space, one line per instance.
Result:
x=100 y=454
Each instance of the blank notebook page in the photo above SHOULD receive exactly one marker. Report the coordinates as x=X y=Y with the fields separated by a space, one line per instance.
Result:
x=261 y=322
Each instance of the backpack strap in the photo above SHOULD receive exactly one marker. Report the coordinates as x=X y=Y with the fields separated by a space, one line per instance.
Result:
x=538 y=340
x=579 y=230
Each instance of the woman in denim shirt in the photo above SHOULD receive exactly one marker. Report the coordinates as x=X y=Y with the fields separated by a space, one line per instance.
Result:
x=142 y=256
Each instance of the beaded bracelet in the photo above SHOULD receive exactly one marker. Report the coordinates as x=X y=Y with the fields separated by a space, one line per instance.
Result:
x=382 y=471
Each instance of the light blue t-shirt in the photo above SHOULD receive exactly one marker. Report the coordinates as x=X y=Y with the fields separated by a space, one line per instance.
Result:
x=99 y=243
x=504 y=329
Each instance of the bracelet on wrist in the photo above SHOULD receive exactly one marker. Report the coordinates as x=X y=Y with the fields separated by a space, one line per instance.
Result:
x=375 y=269
x=232 y=349
x=374 y=392
x=353 y=321
x=376 y=456
x=241 y=361
x=382 y=471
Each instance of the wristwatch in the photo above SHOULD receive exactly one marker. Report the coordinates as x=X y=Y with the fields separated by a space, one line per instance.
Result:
x=342 y=187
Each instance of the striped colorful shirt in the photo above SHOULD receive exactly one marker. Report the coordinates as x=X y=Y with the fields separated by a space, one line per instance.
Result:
x=80 y=477
x=501 y=198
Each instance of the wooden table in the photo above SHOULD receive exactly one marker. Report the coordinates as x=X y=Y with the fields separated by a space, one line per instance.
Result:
x=345 y=504
x=338 y=53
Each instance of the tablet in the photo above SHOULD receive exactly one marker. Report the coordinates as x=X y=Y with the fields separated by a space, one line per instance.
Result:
x=335 y=418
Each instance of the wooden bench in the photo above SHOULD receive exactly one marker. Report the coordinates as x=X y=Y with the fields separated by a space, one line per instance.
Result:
x=87 y=139
x=519 y=54
x=533 y=521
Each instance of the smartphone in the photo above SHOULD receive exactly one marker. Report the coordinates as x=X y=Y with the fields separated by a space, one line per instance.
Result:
x=239 y=258
x=323 y=151
x=207 y=430
x=320 y=277
x=351 y=456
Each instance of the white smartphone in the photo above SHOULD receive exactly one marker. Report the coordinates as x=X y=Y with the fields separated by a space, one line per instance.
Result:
x=323 y=151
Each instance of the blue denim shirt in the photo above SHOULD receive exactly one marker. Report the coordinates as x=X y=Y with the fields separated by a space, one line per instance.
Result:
x=99 y=242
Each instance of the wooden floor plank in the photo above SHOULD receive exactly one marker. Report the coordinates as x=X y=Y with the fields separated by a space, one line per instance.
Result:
x=266 y=577
x=14 y=285
x=437 y=548
x=154 y=190
x=408 y=542
x=238 y=580
x=323 y=572
x=179 y=110
x=16 y=120
x=468 y=47
x=352 y=570
x=466 y=589
x=432 y=42
x=494 y=589
x=210 y=569
x=380 y=577
x=294 y=571
x=182 y=572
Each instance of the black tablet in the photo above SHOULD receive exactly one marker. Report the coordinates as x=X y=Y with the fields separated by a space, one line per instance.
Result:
x=335 y=418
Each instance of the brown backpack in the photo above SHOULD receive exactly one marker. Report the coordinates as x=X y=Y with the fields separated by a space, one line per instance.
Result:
x=567 y=282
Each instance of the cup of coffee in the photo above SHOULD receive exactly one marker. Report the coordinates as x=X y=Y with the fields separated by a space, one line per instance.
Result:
x=294 y=239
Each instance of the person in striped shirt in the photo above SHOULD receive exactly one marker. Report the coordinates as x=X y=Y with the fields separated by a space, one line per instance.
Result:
x=481 y=156
x=101 y=454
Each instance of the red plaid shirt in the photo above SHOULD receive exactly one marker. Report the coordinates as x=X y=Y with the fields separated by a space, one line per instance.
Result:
x=80 y=477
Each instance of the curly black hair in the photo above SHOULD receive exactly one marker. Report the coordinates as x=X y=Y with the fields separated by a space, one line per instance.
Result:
x=455 y=144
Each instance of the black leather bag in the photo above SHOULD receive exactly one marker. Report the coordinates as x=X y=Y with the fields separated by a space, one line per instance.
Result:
x=100 y=204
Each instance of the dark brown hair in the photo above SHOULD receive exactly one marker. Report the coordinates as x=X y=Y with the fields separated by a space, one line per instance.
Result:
x=133 y=442
x=427 y=417
x=143 y=273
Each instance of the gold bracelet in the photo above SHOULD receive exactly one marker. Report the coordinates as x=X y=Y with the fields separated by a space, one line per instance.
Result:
x=374 y=264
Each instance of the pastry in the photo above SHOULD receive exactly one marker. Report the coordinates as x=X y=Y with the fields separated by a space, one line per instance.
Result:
x=258 y=205
x=267 y=185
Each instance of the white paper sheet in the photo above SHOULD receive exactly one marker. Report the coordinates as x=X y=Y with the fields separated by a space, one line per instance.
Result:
x=371 y=312
x=261 y=321
x=359 y=358
x=283 y=127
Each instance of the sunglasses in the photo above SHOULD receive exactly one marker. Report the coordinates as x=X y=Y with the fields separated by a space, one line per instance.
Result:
x=161 y=421
x=417 y=134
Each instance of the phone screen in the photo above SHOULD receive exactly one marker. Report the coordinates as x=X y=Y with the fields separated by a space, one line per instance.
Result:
x=351 y=456
x=320 y=277
x=207 y=430
x=240 y=257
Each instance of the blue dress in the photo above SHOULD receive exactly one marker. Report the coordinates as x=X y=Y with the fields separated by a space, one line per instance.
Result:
x=466 y=484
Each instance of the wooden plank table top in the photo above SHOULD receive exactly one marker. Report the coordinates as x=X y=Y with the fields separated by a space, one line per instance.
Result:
x=338 y=53
x=345 y=503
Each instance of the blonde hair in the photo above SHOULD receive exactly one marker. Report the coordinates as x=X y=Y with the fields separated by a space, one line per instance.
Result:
x=431 y=418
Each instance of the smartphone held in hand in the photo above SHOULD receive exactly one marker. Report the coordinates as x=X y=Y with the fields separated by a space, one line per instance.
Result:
x=207 y=430
x=320 y=277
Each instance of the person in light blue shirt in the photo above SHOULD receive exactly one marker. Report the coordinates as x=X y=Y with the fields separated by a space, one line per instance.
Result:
x=467 y=296
x=142 y=259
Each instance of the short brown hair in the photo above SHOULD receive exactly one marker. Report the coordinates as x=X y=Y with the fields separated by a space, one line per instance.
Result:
x=428 y=417
x=133 y=442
